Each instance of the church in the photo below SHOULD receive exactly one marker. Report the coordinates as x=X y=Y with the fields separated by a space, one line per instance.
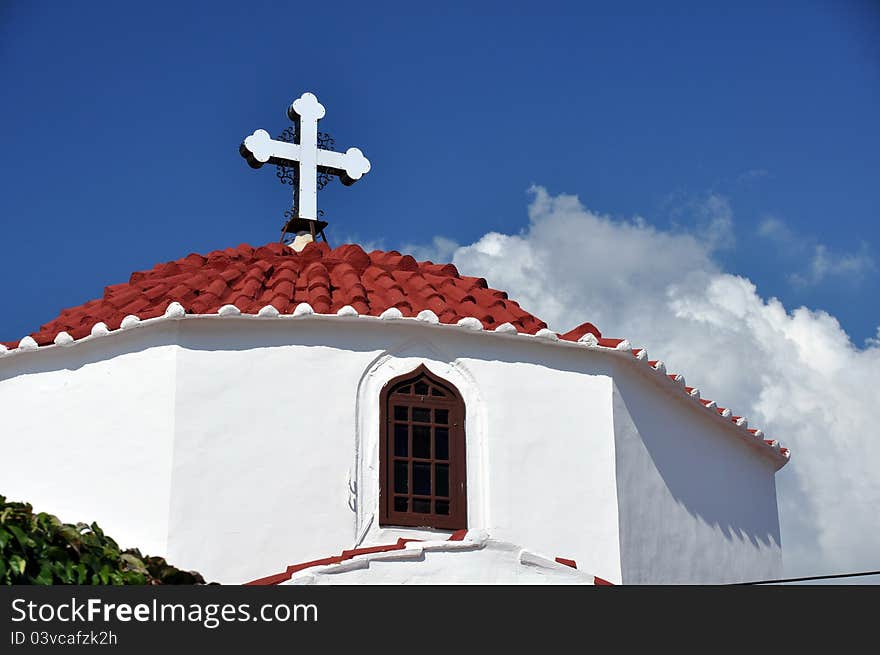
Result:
x=294 y=413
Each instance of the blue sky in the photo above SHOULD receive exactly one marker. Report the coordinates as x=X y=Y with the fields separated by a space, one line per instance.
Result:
x=688 y=163
x=121 y=125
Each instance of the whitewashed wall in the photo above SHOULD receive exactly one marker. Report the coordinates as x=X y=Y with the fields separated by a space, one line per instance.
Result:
x=86 y=433
x=238 y=446
x=695 y=502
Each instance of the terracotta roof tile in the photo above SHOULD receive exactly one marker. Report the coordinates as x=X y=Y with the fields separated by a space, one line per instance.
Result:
x=251 y=278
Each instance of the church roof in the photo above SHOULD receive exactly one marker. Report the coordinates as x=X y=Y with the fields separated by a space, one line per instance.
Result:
x=274 y=274
x=275 y=280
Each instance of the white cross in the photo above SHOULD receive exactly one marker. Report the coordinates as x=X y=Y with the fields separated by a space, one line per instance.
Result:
x=306 y=111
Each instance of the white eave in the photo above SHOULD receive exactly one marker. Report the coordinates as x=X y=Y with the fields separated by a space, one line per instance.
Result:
x=623 y=351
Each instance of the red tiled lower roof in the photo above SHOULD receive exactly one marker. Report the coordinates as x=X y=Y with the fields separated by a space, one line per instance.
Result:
x=400 y=544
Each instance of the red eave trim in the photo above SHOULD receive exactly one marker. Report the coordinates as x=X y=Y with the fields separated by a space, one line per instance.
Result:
x=458 y=535
x=401 y=543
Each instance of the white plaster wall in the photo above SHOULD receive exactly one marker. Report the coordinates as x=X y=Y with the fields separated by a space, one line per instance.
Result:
x=238 y=446
x=697 y=504
x=263 y=448
x=86 y=433
x=540 y=446
x=276 y=442
x=551 y=456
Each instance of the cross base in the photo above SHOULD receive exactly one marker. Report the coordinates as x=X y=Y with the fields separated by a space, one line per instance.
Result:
x=296 y=224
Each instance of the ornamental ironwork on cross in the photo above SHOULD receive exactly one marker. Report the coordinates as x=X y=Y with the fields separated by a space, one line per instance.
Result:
x=305 y=161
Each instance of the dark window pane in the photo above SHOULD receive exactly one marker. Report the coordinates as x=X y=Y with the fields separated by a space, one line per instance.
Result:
x=421 y=441
x=400 y=477
x=441 y=443
x=421 y=418
x=401 y=438
x=441 y=479
x=421 y=479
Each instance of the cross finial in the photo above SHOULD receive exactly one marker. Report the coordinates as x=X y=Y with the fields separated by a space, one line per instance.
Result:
x=260 y=148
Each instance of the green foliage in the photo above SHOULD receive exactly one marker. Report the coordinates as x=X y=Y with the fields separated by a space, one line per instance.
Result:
x=40 y=549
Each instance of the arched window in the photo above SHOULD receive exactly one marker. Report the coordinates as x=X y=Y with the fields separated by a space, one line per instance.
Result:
x=422 y=453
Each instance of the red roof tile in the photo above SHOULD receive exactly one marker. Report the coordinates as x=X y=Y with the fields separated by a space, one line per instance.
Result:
x=274 y=274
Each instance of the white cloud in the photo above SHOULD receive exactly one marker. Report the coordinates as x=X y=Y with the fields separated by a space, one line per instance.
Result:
x=796 y=374
x=823 y=263
x=440 y=249
x=710 y=214
x=776 y=229
x=715 y=221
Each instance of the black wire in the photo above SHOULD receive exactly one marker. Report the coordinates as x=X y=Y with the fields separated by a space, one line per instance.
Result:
x=811 y=577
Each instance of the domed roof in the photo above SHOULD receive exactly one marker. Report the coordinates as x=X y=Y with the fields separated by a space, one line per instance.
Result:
x=274 y=274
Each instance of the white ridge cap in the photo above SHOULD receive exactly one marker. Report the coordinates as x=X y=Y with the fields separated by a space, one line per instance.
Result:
x=129 y=322
x=477 y=535
x=348 y=310
x=175 y=310
x=428 y=316
x=27 y=343
x=229 y=310
x=303 y=309
x=589 y=339
x=391 y=314
x=63 y=339
x=506 y=328
x=269 y=311
x=470 y=323
x=547 y=334
x=100 y=329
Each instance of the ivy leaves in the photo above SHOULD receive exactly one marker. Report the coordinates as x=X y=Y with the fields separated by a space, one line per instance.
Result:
x=40 y=549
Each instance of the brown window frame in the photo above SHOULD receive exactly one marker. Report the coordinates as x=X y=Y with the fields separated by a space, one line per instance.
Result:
x=456 y=462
